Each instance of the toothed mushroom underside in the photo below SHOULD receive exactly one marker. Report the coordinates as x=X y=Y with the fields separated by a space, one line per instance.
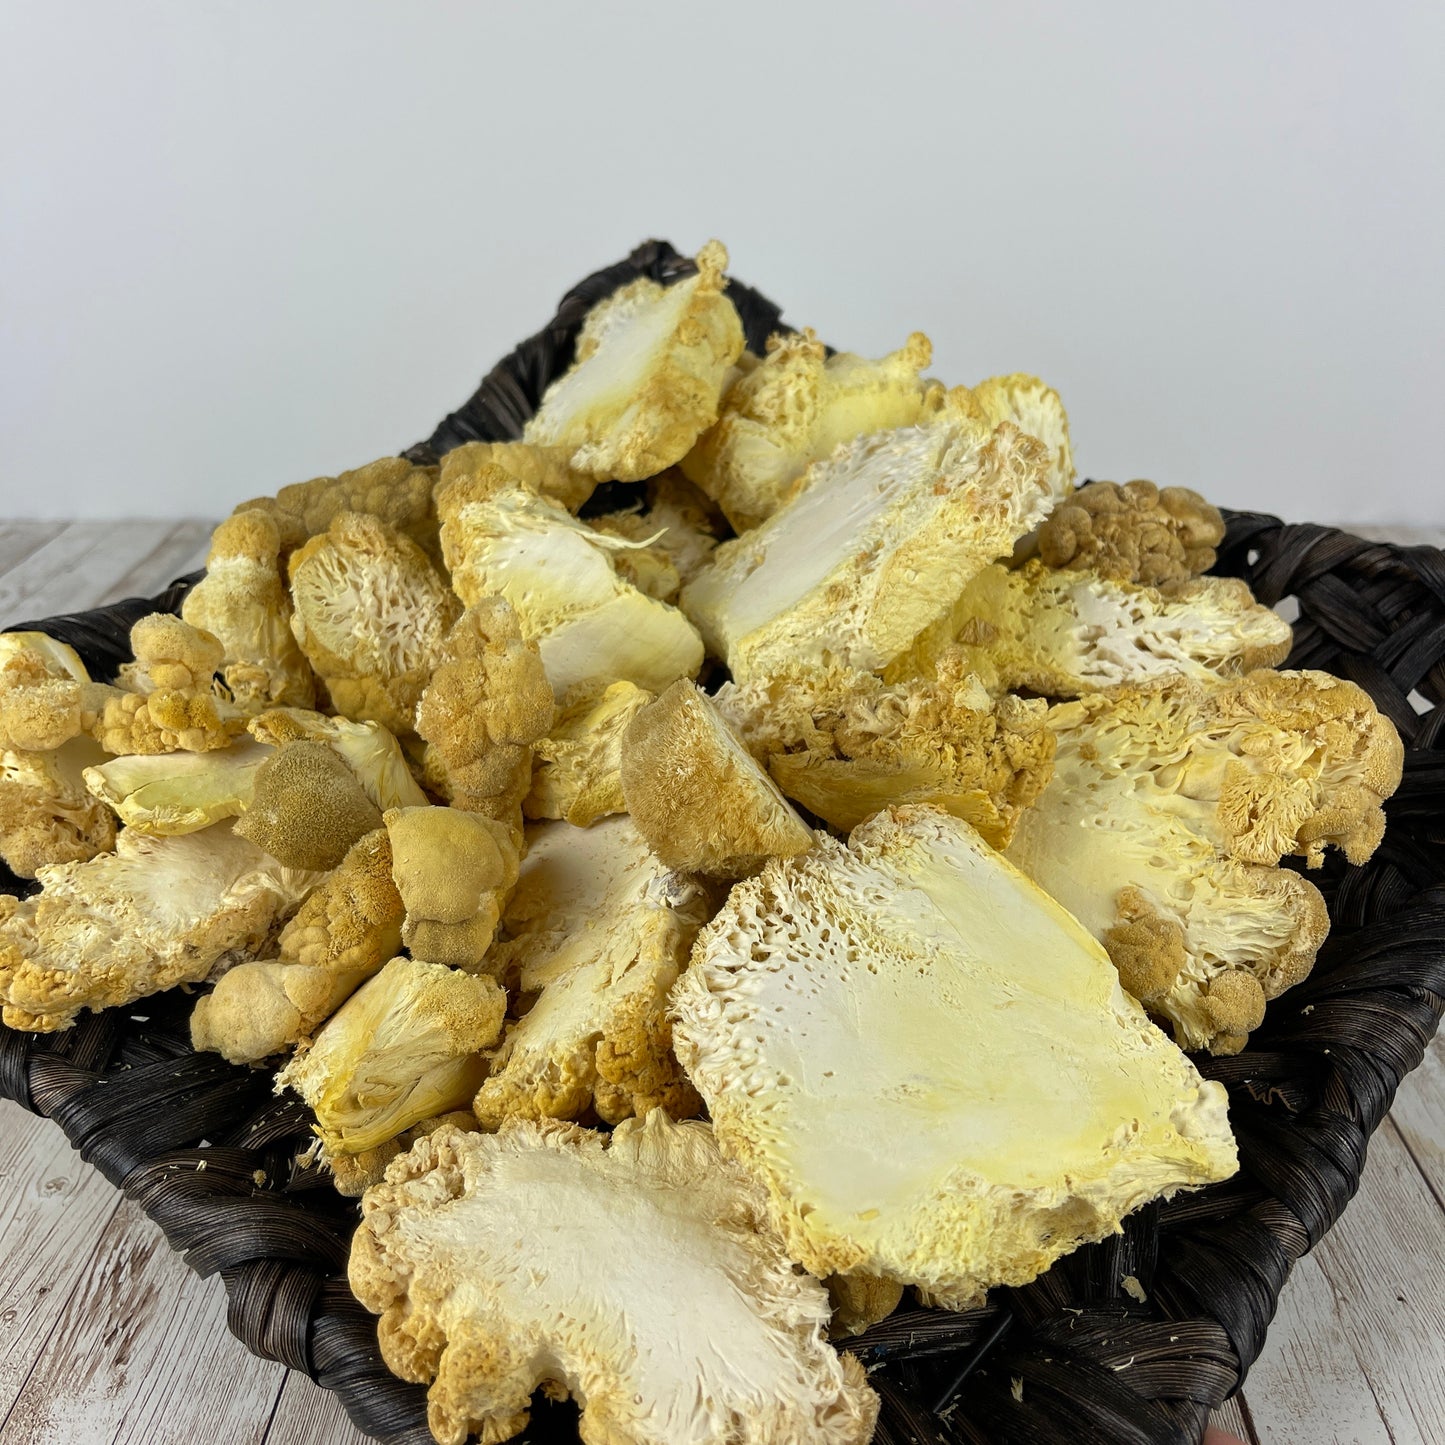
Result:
x=637 y=1274
x=931 y=1067
x=1167 y=814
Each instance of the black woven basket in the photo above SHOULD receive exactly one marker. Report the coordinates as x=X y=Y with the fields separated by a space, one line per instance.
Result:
x=1096 y=1367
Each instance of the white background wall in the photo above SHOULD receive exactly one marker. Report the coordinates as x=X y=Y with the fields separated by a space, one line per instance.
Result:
x=246 y=243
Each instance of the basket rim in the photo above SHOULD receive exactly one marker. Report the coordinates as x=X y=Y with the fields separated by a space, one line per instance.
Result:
x=134 y=1099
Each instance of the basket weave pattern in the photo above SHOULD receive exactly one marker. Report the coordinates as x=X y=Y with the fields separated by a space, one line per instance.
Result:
x=1072 y=1358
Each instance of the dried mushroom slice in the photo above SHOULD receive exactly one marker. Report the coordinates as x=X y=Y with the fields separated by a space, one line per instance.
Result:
x=876 y=545
x=792 y=409
x=592 y=627
x=454 y=870
x=155 y=913
x=487 y=702
x=696 y=794
x=46 y=813
x=598 y=930
x=1065 y=633
x=651 y=364
x=166 y=794
x=931 y=1067
x=635 y=1273
x=370 y=750
x=1037 y=411
x=845 y=744
x=242 y=600
x=307 y=807
x=406 y=1046
x=341 y=935
x=577 y=775
x=371 y=615
x=1133 y=533
x=1168 y=811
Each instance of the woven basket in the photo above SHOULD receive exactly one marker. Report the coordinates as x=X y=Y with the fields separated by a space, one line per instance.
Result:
x=1096 y=1367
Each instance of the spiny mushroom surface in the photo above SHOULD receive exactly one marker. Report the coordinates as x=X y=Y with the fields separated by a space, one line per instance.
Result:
x=931 y=1067
x=1167 y=813
x=634 y=1272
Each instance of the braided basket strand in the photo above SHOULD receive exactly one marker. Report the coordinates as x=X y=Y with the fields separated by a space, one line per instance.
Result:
x=1071 y=1358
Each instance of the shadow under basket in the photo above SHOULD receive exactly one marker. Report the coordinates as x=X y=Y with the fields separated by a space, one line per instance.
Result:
x=1071 y=1358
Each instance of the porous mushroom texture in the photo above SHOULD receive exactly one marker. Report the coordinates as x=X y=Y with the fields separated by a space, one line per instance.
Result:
x=341 y=935
x=845 y=744
x=1065 y=633
x=1168 y=810
x=543 y=470
x=1036 y=410
x=635 y=1273
x=577 y=774
x=154 y=913
x=454 y=870
x=697 y=795
x=170 y=654
x=649 y=372
x=165 y=700
x=1133 y=533
x=591 y=626
x=598 y=930
x=407 y=1045
x=242 y=601
x=370 y=750
x=793 y=409
x=172 y=793
x=391 y=489
x=875 y=545
x=371 y=615
x=307 y=807
x=931 y=1066
x=46 y=813
x=42 y=688
x=487 y=703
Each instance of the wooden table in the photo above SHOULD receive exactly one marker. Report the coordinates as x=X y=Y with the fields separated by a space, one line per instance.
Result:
x=106 y=1338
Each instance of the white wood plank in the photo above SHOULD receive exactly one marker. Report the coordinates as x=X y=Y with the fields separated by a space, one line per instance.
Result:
x=143 y=1356
x=19 y=539
x=1306 y=1387
x=182 y=548
x=77 y=567
x=53 y=1208
x=1355 y=1352
x=1230 y=1418
x=1388 y=1273
x=308 y=1415
x=1419 y=1115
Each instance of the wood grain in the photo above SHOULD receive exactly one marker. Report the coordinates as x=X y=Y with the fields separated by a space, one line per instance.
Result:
x=19 y=539
x=1419 y=1114
x=308 y=1415
x=1389 y=1279
x=181 y=550
x=1355 y=1353
x=1307 y=1388
x=1231 y=1418
x=52 y=1209
x=142 y=1356
x=77 y=567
